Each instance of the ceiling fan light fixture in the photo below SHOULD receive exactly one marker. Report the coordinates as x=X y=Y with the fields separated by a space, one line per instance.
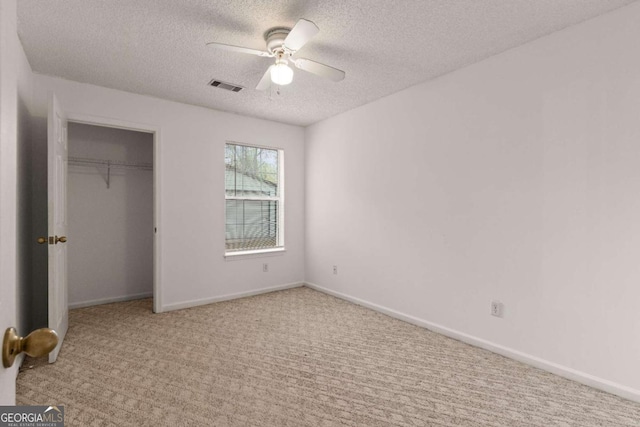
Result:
x=281 y=74
x=282 y=43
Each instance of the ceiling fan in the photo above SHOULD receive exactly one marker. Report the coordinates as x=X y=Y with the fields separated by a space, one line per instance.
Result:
x=282 y=43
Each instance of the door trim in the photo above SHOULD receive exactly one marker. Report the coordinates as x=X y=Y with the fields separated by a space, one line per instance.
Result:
x=157 y=235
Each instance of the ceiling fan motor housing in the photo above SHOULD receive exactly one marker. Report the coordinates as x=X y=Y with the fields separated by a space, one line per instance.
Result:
x=275 y=39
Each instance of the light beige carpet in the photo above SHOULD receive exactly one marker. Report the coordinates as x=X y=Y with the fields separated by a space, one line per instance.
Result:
x=295 y=358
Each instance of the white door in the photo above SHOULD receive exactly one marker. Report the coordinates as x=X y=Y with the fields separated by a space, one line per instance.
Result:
x=8 y=275
x=57 y=213
x=8 y=200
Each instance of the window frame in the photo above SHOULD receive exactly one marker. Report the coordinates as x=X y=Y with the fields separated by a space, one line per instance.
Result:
x=280 y=199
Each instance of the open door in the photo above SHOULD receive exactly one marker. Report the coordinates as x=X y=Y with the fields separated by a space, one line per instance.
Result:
x=57 y=214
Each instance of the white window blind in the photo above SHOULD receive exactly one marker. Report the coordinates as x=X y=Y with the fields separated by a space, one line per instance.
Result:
x=253 y=198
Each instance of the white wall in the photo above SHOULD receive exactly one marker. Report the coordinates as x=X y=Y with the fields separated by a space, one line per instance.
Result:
x=191 y=178
x=110 y=245
x=516 y=179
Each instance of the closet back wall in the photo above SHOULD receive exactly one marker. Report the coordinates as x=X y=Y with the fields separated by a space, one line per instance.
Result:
x=110 y=229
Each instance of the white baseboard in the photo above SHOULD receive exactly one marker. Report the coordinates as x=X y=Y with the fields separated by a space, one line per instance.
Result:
x=100 y=301
x=554 y=368
x=211 y=300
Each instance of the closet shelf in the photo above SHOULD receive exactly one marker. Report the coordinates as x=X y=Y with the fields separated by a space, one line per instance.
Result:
x=109 y=164
x=115 y=164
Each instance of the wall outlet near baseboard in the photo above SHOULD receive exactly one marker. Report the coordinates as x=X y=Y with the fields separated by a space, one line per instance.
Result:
x=497 y=308
x=265 y=268
x=335 y=269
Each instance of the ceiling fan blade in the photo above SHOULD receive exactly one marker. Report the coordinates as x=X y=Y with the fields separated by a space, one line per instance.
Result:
x=319 y=69
x=239 y=49
x=300 y=34
x=265 y=81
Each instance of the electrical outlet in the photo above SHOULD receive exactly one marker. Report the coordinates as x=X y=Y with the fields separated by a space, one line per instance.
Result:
x=265 y=268
x=497 y=308
x=335 y=269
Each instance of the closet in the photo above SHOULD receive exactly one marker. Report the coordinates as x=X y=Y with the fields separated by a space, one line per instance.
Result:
x=110 y=215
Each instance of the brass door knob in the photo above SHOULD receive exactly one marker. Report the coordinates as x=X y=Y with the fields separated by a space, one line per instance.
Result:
x=42 y=240
x=37 y=344
x=61 y=239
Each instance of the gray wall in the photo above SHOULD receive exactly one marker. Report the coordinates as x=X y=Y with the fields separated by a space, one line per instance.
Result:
x=190 y=176
x=525 y=173
x=26 y=241
x=38 y=259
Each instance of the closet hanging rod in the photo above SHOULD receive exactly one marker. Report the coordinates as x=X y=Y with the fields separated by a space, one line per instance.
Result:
x=110 y=164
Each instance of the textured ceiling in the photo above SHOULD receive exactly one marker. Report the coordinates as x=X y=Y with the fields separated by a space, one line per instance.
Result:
x=157 y=47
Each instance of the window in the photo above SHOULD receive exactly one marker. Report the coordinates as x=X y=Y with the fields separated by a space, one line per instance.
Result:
x=254 y=199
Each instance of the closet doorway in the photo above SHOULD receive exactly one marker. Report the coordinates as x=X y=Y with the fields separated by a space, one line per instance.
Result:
x=110 y=202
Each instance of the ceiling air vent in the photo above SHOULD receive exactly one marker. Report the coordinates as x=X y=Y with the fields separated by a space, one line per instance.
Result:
x=226 y=86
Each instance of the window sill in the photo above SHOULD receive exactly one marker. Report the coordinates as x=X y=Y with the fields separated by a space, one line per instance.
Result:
x=232 y=256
